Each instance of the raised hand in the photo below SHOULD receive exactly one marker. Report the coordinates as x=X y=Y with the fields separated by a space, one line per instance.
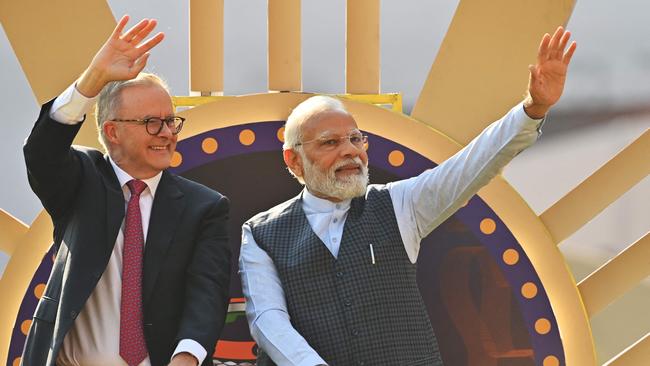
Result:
x=122 y=57
x=547 y=77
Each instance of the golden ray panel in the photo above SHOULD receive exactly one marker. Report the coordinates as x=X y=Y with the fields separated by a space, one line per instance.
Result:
x=481 y=33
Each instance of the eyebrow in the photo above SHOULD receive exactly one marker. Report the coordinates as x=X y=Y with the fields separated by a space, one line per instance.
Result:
x=329 y=134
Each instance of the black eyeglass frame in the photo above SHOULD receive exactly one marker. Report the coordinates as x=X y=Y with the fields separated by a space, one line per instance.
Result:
x=147 y=122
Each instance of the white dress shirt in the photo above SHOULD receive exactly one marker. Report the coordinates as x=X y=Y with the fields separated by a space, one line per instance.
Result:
x=94 y=338
x=421 y=204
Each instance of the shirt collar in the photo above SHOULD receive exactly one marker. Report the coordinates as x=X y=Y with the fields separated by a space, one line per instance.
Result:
x=124 y=177
x=319 y=205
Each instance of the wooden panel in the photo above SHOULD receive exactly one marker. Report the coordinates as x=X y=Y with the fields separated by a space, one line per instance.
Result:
x=598 y=191
x=25 y=260
x=362 y=70
x=53 y=43
x=481 y=69
x=636 y=355
x=11 y=230
x=206 y=46
x=616 y=277
x=285 y=61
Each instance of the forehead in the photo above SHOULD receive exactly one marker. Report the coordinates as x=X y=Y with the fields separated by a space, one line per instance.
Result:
x=328 y=123
x=146 y=98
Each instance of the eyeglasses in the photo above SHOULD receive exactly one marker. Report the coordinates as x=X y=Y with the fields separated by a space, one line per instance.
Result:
x=154 y=124
x=328 y=143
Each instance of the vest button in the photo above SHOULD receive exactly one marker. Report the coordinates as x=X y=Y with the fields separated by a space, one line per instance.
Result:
x=361 y=363
x=355 y=332
x=348 y=302
x=73 y=314
x=339 y=274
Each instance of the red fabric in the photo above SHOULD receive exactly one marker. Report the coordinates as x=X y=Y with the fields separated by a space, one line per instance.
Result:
x=132 y=344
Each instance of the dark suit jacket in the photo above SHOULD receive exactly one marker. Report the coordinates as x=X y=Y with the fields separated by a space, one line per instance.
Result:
x=186 y=261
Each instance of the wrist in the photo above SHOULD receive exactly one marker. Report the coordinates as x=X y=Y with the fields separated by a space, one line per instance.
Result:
x=535 y=110
x=91 y=82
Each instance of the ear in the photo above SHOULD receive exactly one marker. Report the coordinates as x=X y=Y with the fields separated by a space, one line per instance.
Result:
x=110 y=132
x=293 y=161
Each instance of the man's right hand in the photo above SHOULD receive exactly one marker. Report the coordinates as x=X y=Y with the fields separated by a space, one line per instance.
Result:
x=122 y=57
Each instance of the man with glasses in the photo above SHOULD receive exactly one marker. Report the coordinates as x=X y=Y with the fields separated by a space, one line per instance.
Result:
x=141 y=275
x=330 y=275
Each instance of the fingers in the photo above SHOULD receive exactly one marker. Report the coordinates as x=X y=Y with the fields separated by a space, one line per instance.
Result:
x=151 y=42
x=555 y=40
x=533 y=72
x=569 y=53
x=139 y=36
x=140 y=64
x=120 y=27
x=564 y=41
x=137 y=30
x=543 y=52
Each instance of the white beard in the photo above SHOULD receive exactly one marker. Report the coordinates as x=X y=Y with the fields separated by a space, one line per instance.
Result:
x=328 y=184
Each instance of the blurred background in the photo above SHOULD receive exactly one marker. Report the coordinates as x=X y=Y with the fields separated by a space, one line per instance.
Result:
x=606 y=105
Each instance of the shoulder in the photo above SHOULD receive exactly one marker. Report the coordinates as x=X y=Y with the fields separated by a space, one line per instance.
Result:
x=275 y=213
x=194 y=190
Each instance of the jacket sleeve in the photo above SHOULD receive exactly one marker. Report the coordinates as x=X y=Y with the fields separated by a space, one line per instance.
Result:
x=53 y=167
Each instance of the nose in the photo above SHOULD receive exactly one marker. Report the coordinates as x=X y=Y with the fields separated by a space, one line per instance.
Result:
x=165 y=131
x=348 y=149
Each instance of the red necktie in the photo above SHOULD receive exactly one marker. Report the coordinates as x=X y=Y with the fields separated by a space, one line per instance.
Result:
x=132 y=344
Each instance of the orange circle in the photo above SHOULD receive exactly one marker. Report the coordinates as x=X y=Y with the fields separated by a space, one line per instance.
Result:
x=16 y=361
x=529 y=290
x=488 y=226
x=177 y=159
x=38 y=290
x=247 y=137
x=551 y=361
x=281 y=134
x=511 y=256
x=209 y=145
x=24 y=326
x=542 y=326
x=396 y=158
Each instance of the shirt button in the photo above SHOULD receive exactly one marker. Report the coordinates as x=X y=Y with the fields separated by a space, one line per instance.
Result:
x=335 y=220
x=338 y=206
x=334 y=239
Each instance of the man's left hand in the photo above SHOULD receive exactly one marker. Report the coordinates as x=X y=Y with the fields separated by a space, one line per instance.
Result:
x=184 y=359
x=547 y=77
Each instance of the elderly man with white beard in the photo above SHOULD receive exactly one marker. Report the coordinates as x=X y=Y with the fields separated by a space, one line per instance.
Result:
x=330 y=275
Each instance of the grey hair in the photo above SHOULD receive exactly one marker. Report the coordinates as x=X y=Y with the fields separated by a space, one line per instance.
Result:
x=305 y=111
x=110 y=98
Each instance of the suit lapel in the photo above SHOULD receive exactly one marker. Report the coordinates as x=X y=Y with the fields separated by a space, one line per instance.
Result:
x=168 y=206
x=115 y=206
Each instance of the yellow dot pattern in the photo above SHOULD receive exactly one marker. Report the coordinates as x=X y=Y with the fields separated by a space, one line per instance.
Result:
x=487 y=226
x=281 y=134
x=38 y=290
x=511 y=257
x=542 y=326
x=396 y=158
x=551 y=361
x=24 y=326
x=529 y=290
x=177 y=159
x=209 y=145
x=247 y=137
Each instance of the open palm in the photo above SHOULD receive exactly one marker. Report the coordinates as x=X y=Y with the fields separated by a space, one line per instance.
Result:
x=122 y=57
x=547 y=77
